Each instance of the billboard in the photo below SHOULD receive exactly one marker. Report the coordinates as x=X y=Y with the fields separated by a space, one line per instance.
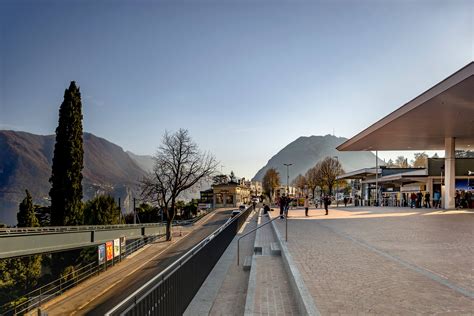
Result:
x=109 y=247
x=101 y=253
x=116 y=247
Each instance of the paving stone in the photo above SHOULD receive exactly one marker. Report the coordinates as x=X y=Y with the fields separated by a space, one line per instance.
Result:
x=385 y=260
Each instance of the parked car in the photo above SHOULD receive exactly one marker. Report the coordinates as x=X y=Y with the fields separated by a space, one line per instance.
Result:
x=242 y=207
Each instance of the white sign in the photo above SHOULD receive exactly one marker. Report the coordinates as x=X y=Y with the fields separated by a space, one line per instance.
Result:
x=116 y=247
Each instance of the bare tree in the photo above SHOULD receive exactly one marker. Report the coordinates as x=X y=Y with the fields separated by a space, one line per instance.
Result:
x=401 y=162
x=329 y=169
x=420 y=161
x=312 y=180
x=178 y=166
x=271 y=181
x=299 y=182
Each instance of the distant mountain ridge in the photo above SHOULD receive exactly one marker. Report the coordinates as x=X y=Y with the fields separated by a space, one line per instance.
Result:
x=25 y=163
x=306 y=151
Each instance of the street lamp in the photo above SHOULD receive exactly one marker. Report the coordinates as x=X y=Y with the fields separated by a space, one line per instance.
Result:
x=288 y=197
x=337 y=183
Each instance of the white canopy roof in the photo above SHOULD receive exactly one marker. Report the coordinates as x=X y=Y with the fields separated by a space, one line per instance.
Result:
x=445 y=110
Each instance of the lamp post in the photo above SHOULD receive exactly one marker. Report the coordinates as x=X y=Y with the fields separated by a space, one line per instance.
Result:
x=337 y=183
x=288 y=196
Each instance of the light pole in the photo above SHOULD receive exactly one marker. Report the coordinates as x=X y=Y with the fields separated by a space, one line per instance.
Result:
x=337 y=182
x=288 y=197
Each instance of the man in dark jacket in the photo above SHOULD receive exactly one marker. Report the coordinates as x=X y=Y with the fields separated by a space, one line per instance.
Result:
x=327 y=202
x=282 y=205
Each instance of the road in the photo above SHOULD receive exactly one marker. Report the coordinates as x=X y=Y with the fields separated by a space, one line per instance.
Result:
x=101 y=304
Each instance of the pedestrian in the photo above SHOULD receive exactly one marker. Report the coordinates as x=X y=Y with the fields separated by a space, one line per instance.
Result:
x=306 y=205
x=282 y=205
x=345 y=201
x=413 y=200
x=427 y=200
x=326 y=202
x=266 y=208
x=419 y=199
x=436 y=199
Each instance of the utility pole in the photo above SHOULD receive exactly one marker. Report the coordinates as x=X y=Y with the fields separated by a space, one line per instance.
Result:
x=120 y=210
x=134 y=212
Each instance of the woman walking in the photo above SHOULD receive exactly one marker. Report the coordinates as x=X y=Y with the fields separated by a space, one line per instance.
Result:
x=306 y=205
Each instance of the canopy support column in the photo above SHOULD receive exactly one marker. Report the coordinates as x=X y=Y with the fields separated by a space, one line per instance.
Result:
x=450 y=176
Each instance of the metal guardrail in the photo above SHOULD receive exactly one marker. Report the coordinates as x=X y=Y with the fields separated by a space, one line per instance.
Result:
x=49 y=229
x=29 y=241
x=171 y=291
x=55 y=288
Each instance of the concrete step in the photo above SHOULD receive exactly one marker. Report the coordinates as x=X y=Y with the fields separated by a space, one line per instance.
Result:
x=275 y=249
x=247 y=263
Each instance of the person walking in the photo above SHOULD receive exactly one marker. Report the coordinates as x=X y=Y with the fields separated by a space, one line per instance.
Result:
x=436 y=197
x=413 y=200
x=306 y=205
x=419 y=199
x=427 y=200
x=327 y=202
x=282 y=205
x=345 y=201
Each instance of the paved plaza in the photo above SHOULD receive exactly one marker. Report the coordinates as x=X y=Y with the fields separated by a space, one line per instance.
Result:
x=385 y=260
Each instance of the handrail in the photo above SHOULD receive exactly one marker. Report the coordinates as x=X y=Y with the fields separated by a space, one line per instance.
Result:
x=253 y=230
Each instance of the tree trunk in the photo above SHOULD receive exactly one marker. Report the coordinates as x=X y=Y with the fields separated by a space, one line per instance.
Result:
x=168 y=229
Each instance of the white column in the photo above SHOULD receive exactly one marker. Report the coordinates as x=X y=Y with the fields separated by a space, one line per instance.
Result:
x=429 y=186
x=449 y=169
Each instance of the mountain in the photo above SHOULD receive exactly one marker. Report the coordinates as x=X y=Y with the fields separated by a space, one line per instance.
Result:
x=305 y=152
x=25 y=163
x=143 y=161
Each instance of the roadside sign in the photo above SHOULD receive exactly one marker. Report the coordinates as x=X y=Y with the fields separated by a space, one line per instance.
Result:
x=116 y=247
x=101 y=253
x=109 y=246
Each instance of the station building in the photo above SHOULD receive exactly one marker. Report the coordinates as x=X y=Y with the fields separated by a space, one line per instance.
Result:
x=394 y=185
x=442 y=118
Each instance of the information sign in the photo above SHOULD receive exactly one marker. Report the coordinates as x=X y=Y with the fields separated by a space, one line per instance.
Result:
x=101 y=253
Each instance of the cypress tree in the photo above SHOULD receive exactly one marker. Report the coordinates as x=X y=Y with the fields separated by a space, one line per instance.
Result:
x=26 y=216
x=66 y=177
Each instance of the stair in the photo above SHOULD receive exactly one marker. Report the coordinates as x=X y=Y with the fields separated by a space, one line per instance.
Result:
x=267 y=276
x=247 y=263
x=275 y=249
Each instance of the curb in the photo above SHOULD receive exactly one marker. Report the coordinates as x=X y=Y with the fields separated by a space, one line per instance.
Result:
x=305 y=301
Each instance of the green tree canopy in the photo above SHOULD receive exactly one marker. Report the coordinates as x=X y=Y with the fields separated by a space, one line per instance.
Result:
x=26 y=216
x=102 y=210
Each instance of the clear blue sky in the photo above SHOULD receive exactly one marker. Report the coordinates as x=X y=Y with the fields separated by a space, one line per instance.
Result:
x=245 y=77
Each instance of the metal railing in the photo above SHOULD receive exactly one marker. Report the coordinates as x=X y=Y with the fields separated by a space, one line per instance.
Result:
x=52 y=229
x=170 y=292
x=253 y=230
x=55 y=288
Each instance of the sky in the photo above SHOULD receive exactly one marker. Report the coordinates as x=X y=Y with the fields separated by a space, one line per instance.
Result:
x=246 y=78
